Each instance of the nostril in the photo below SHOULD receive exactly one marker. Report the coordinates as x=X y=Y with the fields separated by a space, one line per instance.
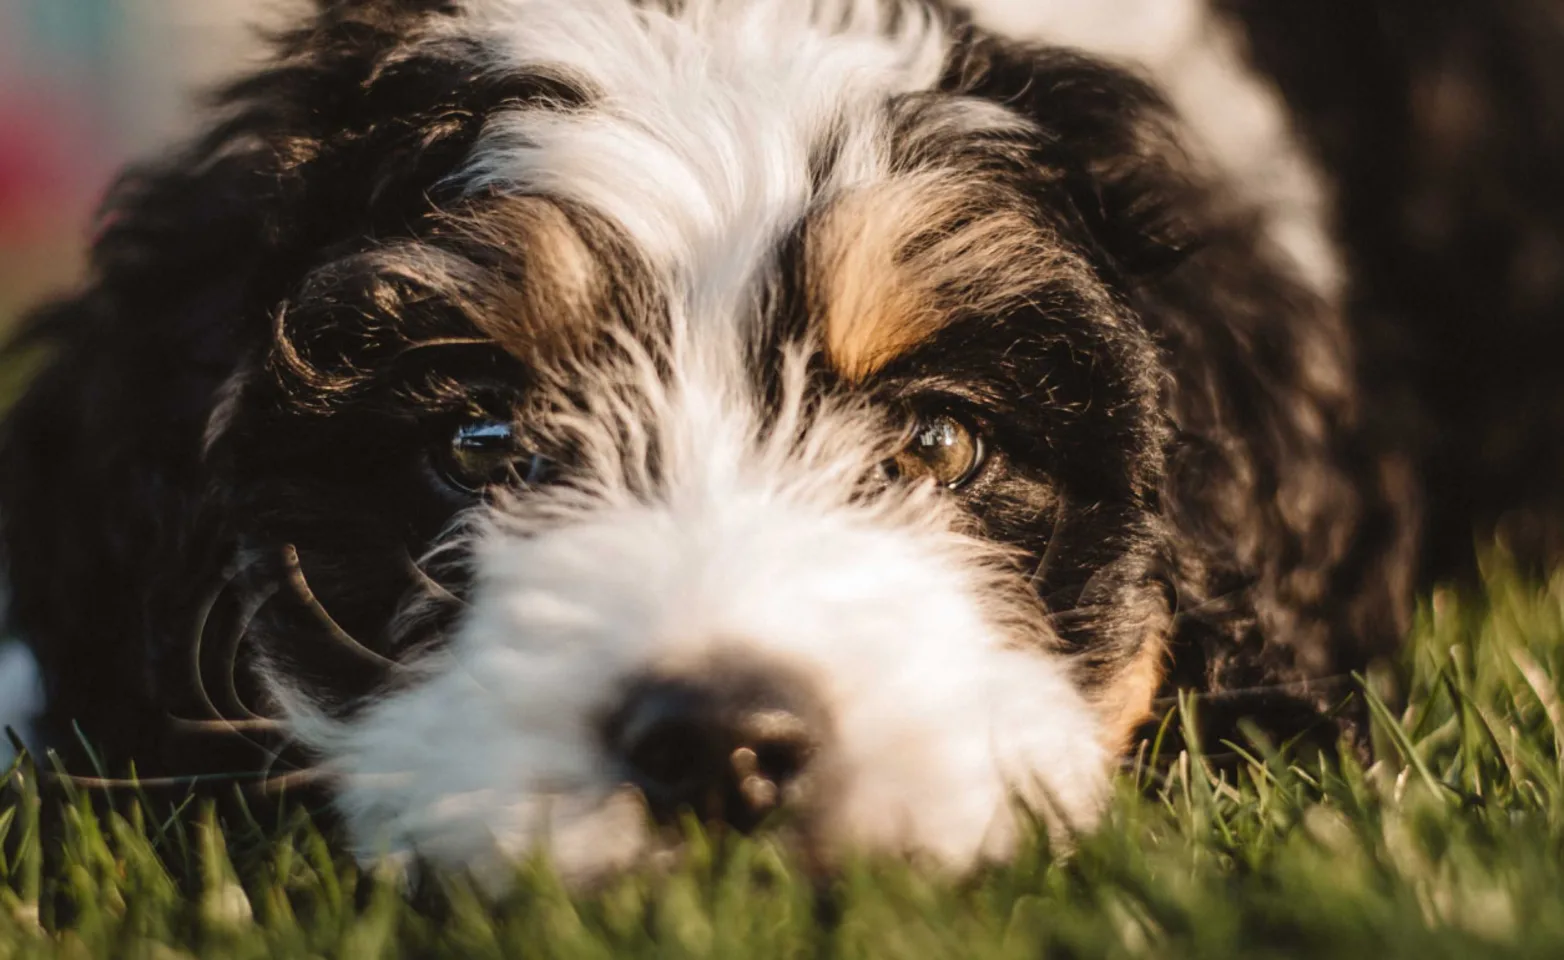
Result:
x=670 y=754
x=779 y=744
x=781 y=761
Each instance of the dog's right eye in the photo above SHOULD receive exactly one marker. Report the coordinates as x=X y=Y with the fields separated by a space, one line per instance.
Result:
x=486 y=453
x=941 y=448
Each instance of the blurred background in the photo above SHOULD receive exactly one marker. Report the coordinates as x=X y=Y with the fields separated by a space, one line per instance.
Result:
x=86 y=85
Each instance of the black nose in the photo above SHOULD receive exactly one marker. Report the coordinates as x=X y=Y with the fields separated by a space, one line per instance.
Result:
x=729 y=748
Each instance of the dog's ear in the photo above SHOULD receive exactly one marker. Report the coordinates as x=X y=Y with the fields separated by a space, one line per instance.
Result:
x=100 y=474
x=1110 y=143
x=105 y=519
x=1112 y=147
x=1289 y=531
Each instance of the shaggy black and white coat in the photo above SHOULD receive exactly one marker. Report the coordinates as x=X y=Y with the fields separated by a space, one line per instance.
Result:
x=515 y=416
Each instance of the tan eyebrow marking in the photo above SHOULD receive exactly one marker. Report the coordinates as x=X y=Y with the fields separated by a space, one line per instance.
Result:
x=560 y=274
x=891 y=264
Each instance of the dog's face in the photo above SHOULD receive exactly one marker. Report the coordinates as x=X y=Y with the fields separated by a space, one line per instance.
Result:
x=748 y=417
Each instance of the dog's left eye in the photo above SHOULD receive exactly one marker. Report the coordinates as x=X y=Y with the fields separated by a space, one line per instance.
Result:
x=941 y=448
x=486 y=453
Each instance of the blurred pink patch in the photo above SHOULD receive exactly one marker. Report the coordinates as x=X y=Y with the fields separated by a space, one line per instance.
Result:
x=48 y=172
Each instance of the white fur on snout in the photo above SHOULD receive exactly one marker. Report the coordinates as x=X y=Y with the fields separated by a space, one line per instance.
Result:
x=939 y=718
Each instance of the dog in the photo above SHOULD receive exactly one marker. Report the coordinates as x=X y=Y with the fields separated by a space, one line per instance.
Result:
x=525 y=420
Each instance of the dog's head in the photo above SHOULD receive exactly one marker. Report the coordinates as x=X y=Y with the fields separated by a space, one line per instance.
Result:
x=742 y=406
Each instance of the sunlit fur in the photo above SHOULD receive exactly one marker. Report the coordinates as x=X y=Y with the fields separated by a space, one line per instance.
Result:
x=711 y=261
x=1237 y=119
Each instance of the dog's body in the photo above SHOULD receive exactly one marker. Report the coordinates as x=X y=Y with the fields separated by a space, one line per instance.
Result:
x=841 y=405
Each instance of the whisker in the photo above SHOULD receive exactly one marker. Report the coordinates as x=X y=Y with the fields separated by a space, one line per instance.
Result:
x=1221 y=603
x=203 y=620
x=434 y=586
x=241 y=633
x=440 y=590
x=1313 y=685
x=302 y=777
x=1046 y=559
x=153 y=783
x=437 y=342
x=197 y=647
x=224 y=725
x=301 y=588
x=275 y=757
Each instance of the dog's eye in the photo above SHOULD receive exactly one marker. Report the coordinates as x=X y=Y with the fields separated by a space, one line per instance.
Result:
x=940 y=448
x=486 y=453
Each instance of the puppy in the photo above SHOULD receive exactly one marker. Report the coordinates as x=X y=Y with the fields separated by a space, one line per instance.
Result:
x=526 y=419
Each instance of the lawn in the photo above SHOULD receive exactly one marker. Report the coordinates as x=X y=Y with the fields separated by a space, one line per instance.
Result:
x=1451 y=845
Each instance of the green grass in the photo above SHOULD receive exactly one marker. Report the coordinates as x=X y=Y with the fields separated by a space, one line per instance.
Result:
x=1451 y=845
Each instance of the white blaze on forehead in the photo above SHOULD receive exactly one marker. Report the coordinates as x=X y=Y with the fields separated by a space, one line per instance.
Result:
x=703 y=121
